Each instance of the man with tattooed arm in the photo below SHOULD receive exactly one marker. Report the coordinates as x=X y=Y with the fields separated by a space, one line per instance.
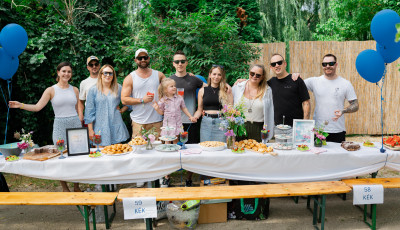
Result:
x=330 y=92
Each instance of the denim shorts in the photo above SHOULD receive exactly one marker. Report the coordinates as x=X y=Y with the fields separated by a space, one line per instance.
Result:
x=209 y=130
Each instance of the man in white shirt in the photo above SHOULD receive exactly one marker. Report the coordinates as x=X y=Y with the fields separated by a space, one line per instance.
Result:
x=93 y=65
x=330 y=92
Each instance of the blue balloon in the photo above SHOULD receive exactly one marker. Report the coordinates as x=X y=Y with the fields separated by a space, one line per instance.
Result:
x=370 y=65
x=383 y=26
x=14 y=39
x=389 y=53
x=8 y=65
x=201 y=78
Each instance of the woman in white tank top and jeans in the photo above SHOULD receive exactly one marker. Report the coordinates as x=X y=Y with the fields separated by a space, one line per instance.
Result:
x=64 y=98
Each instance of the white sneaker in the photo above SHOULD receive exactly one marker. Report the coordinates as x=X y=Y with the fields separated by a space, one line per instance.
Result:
x=140 y=185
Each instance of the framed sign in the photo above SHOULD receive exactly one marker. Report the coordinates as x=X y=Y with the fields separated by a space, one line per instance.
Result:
x=78 y=141
x=303 y=132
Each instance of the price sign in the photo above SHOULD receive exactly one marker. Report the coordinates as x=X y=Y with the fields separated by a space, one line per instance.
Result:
x=139 y=207
x=367 y=194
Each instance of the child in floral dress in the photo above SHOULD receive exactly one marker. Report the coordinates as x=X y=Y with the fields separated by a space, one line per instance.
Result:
x=170 y=105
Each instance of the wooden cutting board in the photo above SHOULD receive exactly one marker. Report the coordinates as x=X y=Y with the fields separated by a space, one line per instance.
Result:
x=39 y=156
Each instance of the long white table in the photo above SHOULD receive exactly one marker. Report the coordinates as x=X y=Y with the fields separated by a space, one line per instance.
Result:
x=288 y=166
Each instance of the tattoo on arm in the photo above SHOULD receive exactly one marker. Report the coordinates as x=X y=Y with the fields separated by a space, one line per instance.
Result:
x=353 y=107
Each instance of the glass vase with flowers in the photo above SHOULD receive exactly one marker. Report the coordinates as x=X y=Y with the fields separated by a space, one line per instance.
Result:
x=232 y=123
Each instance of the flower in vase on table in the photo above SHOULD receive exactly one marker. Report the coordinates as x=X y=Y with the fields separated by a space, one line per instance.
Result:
x=320 y=135
x=25 y=138
x=149 y=135
x=233 y=120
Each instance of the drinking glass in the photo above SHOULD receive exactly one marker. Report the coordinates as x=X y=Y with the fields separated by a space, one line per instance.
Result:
x=97 y=141
x=61 y=147
x=183 y=137
x=181 y=91
x=264 y=137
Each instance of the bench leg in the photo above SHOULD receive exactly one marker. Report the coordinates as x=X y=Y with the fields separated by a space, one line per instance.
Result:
x=321 y=215
x=86 y=216
x=371 y=225
x=149 y=224
x=108 y=220
x=296 y=199
x=94 y=217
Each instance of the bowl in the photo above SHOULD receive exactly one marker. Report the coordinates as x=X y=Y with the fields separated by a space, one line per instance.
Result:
x=10 y=149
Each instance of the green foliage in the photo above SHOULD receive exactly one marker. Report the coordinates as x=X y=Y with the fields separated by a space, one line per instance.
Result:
x=56 y=35
x=219 y=9
x=351 y=19
x=204 y=40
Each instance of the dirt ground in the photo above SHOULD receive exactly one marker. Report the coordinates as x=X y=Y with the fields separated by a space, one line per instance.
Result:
x=284 y=213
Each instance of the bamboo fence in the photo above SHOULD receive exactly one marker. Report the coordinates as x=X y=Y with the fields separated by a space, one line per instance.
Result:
x=306 y=58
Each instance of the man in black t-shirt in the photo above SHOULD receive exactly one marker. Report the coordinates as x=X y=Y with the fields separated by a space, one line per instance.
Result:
x=291 y=98
x=190 y=84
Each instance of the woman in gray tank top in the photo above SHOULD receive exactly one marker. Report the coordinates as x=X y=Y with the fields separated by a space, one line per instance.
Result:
x=64 y=98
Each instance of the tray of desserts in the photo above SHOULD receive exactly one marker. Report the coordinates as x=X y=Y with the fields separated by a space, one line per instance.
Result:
x=43 y=153
x=117 y=149
x=212 y=145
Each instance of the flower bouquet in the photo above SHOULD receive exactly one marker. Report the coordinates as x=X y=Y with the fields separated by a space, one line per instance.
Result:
x=26 y=140
x=320 y=135
x=149 y=136
x=233 y=123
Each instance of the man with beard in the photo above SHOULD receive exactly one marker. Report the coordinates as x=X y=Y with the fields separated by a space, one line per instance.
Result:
x=291 y=98
x=93 y=65
x=139 y=89
x=330 y=92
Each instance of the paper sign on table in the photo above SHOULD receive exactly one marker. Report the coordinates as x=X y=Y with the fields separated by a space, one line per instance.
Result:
x=367 y=194
x=139 y=207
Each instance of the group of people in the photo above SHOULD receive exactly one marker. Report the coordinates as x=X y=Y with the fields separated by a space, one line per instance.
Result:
x=154 y=102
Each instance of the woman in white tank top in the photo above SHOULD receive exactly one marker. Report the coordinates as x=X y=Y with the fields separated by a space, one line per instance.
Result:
x=64 y=98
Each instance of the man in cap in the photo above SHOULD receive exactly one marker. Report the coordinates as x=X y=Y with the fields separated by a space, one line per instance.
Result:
x=139 y=89
x=93 y=65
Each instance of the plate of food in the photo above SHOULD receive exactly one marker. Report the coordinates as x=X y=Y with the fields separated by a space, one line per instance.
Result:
x=368 y=144
x=212 y=145
x=238 y=150
x=95 y=154
x=167 y=138
x=117 y=149
x=12 y=158
x=350 y=146
x=168 y=148
x=392 y=143
x=137 y=141
x=303 y=148
x=254 y=146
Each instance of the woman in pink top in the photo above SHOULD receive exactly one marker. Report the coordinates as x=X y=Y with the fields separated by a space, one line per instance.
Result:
x=170 y=105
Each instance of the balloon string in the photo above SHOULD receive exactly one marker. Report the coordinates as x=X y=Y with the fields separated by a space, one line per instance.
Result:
x=382 y=99
x=2 y=92
x=9 y=87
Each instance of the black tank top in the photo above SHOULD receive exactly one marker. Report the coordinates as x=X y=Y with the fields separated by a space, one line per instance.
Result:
x=211 y=99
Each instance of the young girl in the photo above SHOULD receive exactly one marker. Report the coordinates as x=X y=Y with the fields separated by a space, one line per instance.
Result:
x=170 y=105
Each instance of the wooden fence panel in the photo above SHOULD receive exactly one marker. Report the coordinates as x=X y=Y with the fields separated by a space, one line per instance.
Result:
x=306 y=58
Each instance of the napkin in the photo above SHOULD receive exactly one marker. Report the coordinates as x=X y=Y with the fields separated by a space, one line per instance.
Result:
x=318 y=150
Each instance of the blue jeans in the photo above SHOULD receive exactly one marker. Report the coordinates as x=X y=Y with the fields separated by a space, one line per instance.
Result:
x=209 y=130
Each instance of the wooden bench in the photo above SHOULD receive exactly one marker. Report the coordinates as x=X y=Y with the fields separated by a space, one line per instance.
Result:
x=385 y=182
x=314 y=189
x=85 y=199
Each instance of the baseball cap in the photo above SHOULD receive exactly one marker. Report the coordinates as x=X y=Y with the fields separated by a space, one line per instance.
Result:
x=91 y=58
x=141 y=50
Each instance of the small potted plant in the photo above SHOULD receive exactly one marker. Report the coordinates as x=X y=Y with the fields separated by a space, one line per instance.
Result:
x=320 y=135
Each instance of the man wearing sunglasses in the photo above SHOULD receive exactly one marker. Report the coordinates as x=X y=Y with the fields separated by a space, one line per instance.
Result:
x=93 y=66
x=139 y=89
x=291 y=98
x=330 y=92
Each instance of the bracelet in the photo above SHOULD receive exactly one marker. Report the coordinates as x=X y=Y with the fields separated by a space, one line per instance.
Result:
x=142 y=101
x=22 y=106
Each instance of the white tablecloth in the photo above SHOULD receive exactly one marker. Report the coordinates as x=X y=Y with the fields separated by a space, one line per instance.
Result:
x=133 y=167
x=288 y=166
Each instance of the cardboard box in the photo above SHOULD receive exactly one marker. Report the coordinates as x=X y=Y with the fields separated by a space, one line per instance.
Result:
x=213 y=213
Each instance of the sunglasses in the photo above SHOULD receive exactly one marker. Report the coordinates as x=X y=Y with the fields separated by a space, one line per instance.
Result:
x=332 y=63
x=257 y=75
x=142 y=58
x=108 y=73
x=273 y=64
x=93 y=64
x=220 y=66
x=181 y=61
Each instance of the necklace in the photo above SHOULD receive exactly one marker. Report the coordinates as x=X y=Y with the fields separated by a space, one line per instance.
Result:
x=251 y=106
x=215 y=91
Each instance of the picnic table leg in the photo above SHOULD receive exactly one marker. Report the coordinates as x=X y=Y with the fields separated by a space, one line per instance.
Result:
x=371 y=215
x=94 y=217
x=319 y=217
x=86 y=216
x=108 y=220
